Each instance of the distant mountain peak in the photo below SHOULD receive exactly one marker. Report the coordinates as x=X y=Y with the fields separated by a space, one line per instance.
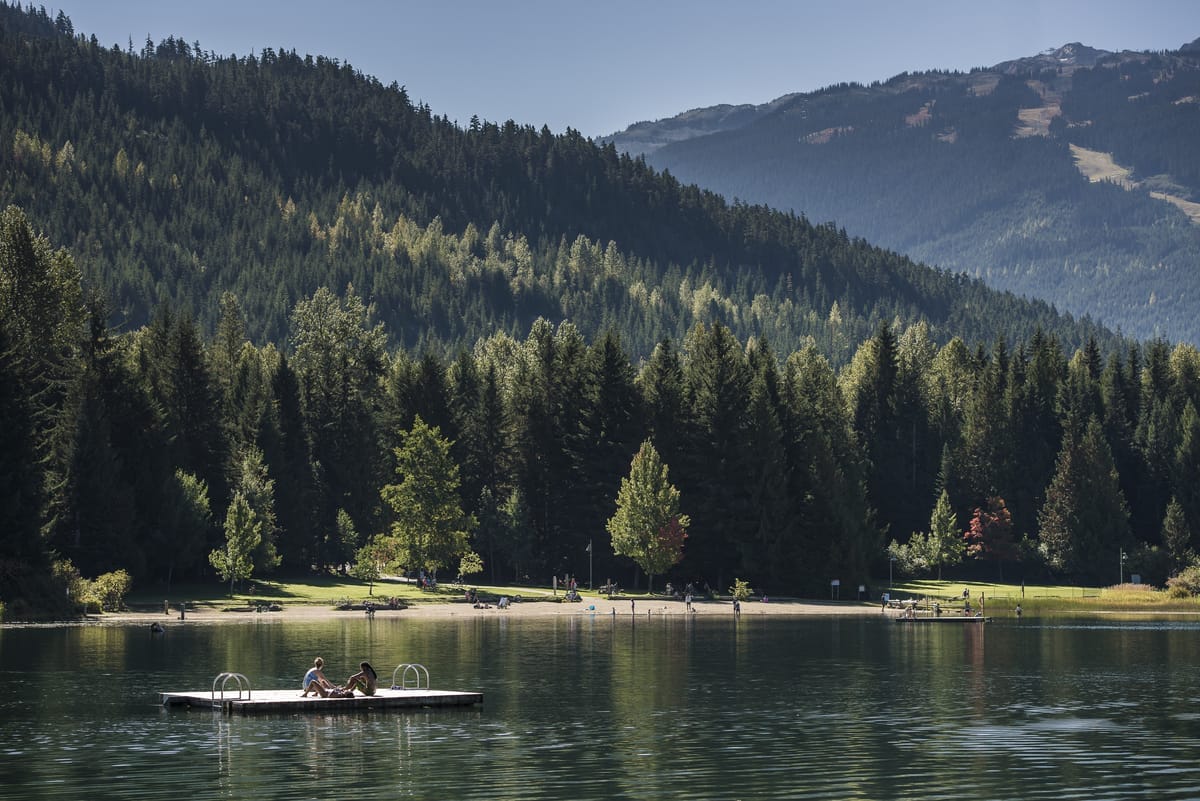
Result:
x=1078 y=54
x=864 y=154
x=1074 y=54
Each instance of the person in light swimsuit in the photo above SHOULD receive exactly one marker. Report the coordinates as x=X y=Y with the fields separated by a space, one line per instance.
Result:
x=315 y=681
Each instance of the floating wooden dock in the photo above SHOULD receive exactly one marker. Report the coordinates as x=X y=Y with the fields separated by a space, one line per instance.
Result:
x=231 y=693
x=259 y=701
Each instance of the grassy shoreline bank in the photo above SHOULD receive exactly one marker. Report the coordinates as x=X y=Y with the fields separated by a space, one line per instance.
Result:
x=335 y=596
x=337 y=592
x=1051 y=599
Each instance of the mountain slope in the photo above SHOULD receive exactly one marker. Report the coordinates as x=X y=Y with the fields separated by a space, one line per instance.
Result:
x=990 y=173
x=176 y=175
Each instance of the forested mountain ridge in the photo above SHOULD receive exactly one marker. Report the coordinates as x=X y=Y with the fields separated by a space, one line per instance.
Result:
x=507 y=347
x=173 y=175
x=1070 y=176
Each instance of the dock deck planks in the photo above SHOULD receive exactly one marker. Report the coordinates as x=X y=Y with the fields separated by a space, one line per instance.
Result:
x=259 y=701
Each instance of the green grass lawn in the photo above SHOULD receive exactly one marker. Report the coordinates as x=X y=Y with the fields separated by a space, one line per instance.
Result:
x=332 y=590
x=1047 y=599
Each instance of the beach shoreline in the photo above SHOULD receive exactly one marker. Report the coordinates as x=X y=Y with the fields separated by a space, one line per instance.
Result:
x=526 y=609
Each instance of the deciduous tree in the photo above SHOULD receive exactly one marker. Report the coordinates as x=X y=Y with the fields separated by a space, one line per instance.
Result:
x=990 y=536
x=429 y=528
x=648 y=526
x=235 y=562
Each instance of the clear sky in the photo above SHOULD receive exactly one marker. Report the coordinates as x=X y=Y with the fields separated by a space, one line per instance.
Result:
x=600 y=65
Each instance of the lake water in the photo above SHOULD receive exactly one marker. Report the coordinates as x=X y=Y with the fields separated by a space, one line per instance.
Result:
x=577 y=707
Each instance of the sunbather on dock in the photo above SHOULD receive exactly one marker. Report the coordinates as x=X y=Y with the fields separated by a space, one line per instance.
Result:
x=315 y=681
x=364 y=680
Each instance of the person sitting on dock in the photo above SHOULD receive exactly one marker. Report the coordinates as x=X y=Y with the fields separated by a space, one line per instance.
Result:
x=364 y=680
x=315 y=681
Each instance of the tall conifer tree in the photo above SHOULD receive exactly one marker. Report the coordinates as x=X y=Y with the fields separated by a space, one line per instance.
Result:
x=1084 y=522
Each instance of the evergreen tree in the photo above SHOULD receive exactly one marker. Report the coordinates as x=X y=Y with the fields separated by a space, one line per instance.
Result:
x=227 y=346
x=1035 y=375
x=870 y=385
x=613 y=428
x=41 y=302
x=338 y=359
x=346 y=535
x=466 y=408
x=770 y=555
x=551 y=397
x=21 y=500
x=536 y=446
x=717 y=476
x=432 y=396
x=490 y=435
x=986 y=444
x=41 y=329
x=254 y=483
x=1084 y=522
x=1080 y=393
x=1156 y=435
x=247 y=414
x=837 y=536
x=286 y=455
x=93 y=517
x=662 y=386
x=944 y=536
x=173 y=366
x=183 y=532
x=1119 y=386
x=1185 y=473
x=1177 y=536
x=918 y=450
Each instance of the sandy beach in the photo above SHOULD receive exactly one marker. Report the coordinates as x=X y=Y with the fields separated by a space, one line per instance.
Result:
x=642 y=607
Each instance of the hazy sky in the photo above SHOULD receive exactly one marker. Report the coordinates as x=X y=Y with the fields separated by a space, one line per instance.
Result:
x=599 y=65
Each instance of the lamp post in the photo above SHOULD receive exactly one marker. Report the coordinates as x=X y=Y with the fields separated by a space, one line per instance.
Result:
x=1121 y=574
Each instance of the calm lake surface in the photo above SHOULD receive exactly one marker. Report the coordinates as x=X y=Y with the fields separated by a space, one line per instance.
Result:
x=577 y=707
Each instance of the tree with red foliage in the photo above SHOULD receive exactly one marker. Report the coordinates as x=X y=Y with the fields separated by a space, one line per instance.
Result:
x=990 y=535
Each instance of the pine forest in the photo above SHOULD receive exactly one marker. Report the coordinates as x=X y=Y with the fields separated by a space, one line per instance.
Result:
x=259 y=314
